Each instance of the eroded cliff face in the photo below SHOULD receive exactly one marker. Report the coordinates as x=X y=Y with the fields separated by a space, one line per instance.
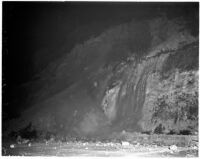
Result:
x=139 y=76
x=172 y=95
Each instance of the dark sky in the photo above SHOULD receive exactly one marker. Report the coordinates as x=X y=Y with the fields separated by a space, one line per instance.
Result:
x=29 y=27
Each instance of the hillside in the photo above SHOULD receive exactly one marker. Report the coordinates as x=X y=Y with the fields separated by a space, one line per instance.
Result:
x=137 y=76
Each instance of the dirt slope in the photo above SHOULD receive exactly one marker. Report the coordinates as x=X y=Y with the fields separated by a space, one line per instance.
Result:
x=125 y=79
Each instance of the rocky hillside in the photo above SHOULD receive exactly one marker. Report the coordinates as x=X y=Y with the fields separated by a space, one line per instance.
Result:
x=138 y=76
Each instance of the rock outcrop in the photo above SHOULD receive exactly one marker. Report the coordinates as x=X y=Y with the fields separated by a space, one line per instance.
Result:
x=138 y=76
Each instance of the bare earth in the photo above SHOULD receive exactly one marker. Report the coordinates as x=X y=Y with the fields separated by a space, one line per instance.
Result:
x=101 y=149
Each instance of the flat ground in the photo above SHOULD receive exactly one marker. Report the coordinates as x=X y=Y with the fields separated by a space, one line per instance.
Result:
x=141 y=146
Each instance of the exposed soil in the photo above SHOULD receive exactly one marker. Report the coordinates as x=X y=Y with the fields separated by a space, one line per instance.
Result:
x=140 y=146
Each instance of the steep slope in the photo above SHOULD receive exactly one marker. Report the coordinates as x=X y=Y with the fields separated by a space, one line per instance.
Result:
x=139 y=76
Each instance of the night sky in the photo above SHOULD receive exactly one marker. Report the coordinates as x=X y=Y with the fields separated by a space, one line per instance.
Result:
x=29 y=27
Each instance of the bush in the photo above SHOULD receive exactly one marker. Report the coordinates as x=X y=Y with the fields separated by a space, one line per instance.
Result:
x=181 y=108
